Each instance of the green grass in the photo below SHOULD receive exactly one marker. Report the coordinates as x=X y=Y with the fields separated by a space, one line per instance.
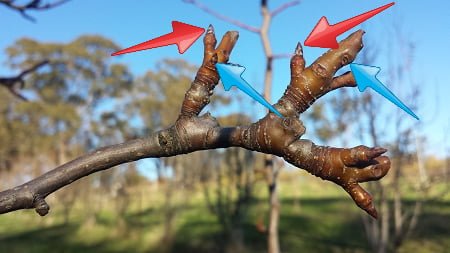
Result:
x=323 y=220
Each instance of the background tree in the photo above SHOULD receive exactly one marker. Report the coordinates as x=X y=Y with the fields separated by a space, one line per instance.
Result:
x=14 y=83
x=272 y=134
x=109 y=198
x=66 y=112
x=353 y=113
x=271 y=171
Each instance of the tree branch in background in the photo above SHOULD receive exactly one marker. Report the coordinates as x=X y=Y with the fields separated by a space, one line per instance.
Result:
x=271 y=171
x=284 y=7
x=17 y=82
x=222 y=17
x=346 y=167
x=37 y=5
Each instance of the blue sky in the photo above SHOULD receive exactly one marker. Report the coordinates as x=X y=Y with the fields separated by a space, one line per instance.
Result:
x=128 y=22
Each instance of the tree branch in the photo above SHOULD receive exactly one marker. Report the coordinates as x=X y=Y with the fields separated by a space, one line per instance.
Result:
x=284 y=7
x=270 y=135
x=197 y=97
x=18 y=82
x=309 y=84
x=31 y=5
x=344 y=80
x=281 y=56
x=263 y=30
x=222 y=17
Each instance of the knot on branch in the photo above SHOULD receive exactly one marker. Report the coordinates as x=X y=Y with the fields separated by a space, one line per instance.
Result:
x=187 y=134
x=272 y=134
x=41 y=207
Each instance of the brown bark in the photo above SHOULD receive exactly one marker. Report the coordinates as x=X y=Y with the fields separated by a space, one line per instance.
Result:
x=270 y=135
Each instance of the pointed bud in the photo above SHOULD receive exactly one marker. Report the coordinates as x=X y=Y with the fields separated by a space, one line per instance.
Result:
x=372 y=212
x=299 y=49
x=210 y=29
x=375 y=152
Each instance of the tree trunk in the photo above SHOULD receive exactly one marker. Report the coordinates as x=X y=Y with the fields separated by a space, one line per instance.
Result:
x=272 y=173
x=274 y=216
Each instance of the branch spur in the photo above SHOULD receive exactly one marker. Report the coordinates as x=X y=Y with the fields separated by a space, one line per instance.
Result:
x=347 y=167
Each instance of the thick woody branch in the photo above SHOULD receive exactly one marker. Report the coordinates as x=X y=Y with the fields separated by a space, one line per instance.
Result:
x=309 y=84
x=270 y=135
x=197 y=97
x=17 y=82
x=184 y=137
x=345 y=167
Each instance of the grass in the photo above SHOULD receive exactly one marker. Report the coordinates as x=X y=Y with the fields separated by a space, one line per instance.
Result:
x=316 y=217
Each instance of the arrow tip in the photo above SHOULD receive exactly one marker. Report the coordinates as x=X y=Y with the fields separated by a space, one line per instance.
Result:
x=228 y=74
x=363 y=74
x=124 y=51
x=188 y=34
x=322 y=36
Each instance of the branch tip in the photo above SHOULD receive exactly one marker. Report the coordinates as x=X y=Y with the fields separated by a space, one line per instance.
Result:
x=372 y=212
x=377 y=151
x=299 y=49
x=210 y=29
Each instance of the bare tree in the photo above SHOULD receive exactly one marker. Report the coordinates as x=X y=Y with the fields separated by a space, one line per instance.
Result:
x=275 y=135
x=398 y=218
x=15 y=82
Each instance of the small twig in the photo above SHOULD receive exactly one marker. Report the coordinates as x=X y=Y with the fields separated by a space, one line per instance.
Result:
x=283 y=7
x=32 y=69
x=281 y=56
x=17 y=94
x=344 y=80
x=32 y=5
x=11 y=83
x=222 y=17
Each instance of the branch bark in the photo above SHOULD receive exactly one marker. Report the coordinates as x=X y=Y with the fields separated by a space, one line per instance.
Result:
x=270 y=135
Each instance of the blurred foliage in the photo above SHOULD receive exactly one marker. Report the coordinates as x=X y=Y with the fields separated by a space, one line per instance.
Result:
x=324 y=221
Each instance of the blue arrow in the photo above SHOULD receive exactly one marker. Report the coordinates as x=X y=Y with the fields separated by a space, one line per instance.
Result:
x=366 y=76
x=231 y=75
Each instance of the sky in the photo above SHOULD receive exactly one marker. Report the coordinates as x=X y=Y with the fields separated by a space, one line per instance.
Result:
x=128 y=22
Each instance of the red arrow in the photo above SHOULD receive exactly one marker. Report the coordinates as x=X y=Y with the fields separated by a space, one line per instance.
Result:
x=324 y=35
x=184 y=35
